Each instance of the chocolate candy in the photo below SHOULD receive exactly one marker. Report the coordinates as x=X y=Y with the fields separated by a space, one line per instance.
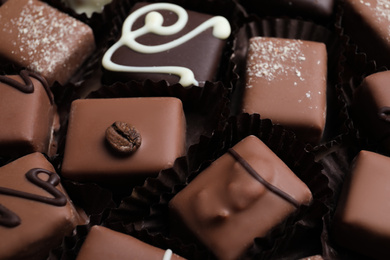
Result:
x=103 y=243
x=247 y=185
x=361 y=219
x=88 y=157
x=43 y=39
x=371 y=109
x=317 y=10
x=28 y=118
x=286 y=82
x=158 y=43
x=35 y=211
x=367 y=22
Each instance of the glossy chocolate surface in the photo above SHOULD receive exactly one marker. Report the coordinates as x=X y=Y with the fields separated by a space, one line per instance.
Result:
x=361 y=219
x=31 y=190
x=160 y=122
x=43 y=39
x=221 y=204
x=286 y=82
x=367 y=22
x=28 y=119
x=103 y=243
x=313 y=9
x=200 y=54
x=371 y=109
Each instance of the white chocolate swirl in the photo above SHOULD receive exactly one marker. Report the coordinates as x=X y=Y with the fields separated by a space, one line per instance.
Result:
x=167 y=254
x=153 y=24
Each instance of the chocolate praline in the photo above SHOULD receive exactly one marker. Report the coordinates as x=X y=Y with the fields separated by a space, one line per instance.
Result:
x=29 y=120
x=43 y=39
x=159 y=43
x=31 y=193
x=160 y=121
x=247 y=185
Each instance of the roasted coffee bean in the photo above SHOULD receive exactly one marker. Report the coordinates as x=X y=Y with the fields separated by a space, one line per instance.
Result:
x=123 y=137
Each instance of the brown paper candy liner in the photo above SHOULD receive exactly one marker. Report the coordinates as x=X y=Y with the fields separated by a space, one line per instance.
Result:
x=336 y=122
x=231 y=10
x=298 y=235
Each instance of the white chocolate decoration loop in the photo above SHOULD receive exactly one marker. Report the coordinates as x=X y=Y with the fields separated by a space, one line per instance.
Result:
x=167 y=254
x=154 y=24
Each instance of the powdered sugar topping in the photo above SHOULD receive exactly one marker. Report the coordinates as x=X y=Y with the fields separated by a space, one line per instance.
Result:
x=381 y=11
x=276 y=60
x=45 y=39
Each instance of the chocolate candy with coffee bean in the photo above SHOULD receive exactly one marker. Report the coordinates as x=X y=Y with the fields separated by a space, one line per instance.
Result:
x=104 y=142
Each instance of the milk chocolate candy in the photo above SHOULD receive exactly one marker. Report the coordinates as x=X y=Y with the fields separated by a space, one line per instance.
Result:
x=28 y=118
x=103 y=243
x=371 y=109
x=35 y=211
x=240 y=196
x=361 y=220
x=159 y=43
x=160 y=123
x=43 y=39
x=286 y=82
x=367 y=22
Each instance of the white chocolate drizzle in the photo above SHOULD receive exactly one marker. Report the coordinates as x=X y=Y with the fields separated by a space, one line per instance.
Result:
x=153 y=24
x=167 y=255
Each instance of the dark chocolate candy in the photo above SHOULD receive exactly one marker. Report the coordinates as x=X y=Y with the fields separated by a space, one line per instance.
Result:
x=87 y=157
x=103 y=243
x=312 y=9
x=221 y=204
x=371 y=109
x=362 y=217
x=43 y=39
x=148 y=50
x=37 y=207
x=367 y=22
x=286 y=82
x=28 y=118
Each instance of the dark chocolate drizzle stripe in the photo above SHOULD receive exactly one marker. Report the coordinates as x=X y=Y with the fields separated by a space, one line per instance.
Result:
x=28 y=86
x=59 y=199
x=8 y=218
x=260 y=179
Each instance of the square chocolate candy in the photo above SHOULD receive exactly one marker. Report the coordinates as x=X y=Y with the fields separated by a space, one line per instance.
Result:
x=43 y=39
x=240 y=196
x=35 y=211
x=163 y=41
x=371 y=108
x=362 y=216
x=103 y=243
x=28 y=118
x=286 y=82
x=123 y=139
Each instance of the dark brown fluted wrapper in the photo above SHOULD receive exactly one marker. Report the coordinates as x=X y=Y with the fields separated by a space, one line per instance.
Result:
x=298 y=235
